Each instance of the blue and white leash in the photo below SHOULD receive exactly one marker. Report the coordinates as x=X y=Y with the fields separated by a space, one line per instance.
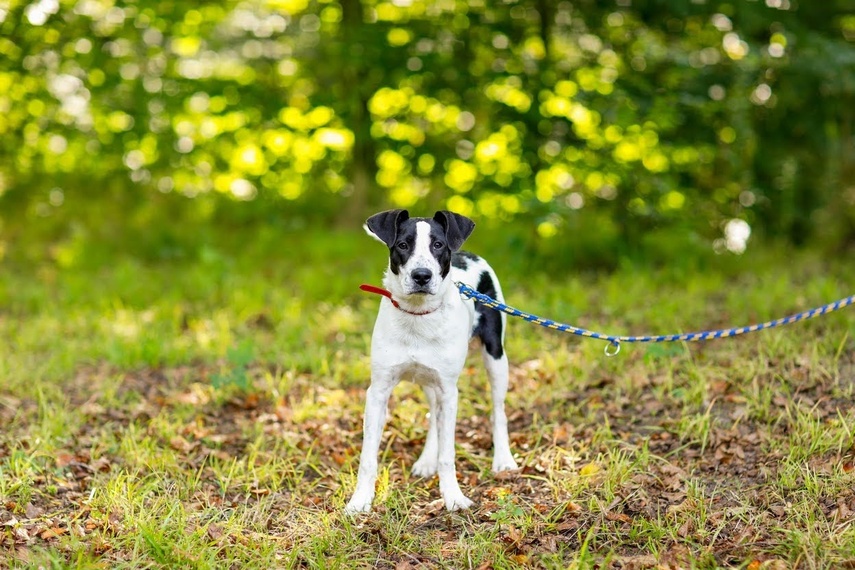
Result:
x=614 y=341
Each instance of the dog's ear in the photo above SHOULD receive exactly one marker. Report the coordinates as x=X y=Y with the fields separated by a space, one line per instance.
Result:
x=384 y=226
x=457 y=228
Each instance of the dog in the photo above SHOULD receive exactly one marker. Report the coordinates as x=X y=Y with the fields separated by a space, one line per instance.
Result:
x=422 y=334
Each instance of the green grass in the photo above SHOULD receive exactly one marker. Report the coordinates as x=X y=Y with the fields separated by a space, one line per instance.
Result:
x=207 y=414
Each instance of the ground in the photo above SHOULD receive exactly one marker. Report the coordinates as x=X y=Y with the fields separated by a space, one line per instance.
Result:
x=171 y=430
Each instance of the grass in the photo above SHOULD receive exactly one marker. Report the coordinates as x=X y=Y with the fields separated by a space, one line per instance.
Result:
x=207 y=414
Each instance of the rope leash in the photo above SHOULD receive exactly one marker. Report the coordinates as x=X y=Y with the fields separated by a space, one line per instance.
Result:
x=614 y=341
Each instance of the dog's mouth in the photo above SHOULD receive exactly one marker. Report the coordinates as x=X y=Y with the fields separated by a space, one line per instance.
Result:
x=422 y=290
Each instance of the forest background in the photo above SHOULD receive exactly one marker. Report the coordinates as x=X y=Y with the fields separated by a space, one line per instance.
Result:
x=629 y=128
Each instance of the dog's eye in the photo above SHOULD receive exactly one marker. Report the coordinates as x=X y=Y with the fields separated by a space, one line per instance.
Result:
x=438 y=244
x=402 y=245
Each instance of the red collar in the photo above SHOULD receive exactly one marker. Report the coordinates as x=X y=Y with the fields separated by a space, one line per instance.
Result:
x=388 y=294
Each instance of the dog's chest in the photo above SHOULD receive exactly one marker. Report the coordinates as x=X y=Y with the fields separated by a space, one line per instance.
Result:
x=436 y=341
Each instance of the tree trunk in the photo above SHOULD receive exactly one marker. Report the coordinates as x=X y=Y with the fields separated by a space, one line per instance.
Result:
x=354 y=77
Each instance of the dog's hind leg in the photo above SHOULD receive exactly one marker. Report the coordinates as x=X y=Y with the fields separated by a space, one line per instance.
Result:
x=497 y=371
x=490 y=330
x=425 y=466
x=376 y=402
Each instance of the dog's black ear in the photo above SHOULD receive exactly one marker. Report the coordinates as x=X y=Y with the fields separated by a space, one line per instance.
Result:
x=384 y=226
x=457 y=228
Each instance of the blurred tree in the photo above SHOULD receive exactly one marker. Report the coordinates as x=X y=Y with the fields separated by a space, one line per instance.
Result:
x=617 y=120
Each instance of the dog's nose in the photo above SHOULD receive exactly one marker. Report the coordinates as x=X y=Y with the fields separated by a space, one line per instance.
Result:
x=421 y=276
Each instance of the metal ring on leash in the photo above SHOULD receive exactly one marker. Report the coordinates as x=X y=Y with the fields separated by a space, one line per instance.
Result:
x=616 y=345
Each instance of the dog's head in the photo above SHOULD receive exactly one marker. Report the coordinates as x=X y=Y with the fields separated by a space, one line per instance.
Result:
x=419 y=248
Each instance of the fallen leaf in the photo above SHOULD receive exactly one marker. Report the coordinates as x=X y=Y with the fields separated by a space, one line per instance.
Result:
x=178 y=443
x=91 y=524
x=32 y=511
x=63 y=459
x=195 y=396
x=283 y=413
x=339 y=458
x=498 y=493
x=215 y=532
x=513 y=535
x=507 y=475
x=843 y=511
x=618 y=517
x=687 y=505
x=21 y=534
x=101 y=465
x=52 y=532
x=640 y=562
x=566 y=526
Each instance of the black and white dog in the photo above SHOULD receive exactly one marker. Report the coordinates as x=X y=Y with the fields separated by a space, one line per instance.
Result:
x=422 y=334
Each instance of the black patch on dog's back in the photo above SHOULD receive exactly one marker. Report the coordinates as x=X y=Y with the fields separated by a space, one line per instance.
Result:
x=489 y=327
x=461 y=259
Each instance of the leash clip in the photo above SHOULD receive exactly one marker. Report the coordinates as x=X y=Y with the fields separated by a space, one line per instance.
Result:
x=463 y=289
x=613 y=344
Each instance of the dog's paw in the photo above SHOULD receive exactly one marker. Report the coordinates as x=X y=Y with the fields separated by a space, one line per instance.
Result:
x=457 y=501
x=504 y=463
x=424 y=467
x=357 y=505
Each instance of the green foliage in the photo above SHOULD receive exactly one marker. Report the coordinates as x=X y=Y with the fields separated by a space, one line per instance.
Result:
x=234 y=375
x=647 y=115
x=654 y=352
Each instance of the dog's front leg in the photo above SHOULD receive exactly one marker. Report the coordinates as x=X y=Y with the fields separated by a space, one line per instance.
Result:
x=376 y=401
x=446 y=421
x=425 y=466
